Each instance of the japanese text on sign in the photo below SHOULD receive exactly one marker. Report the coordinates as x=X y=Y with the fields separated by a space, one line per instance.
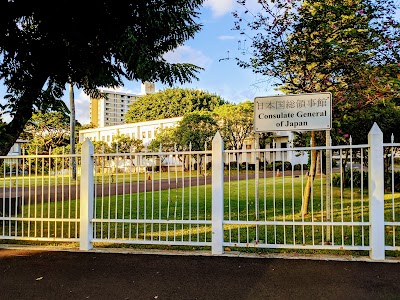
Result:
x=293 y=112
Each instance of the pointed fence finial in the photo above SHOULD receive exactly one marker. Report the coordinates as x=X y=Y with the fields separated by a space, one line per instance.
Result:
x=375 y=129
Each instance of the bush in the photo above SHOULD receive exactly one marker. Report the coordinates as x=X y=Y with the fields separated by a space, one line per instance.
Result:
x=261 y=165
x=347 y=179
x=388 y=181
x=287 y=165
x=233 y=165
x=357 y=180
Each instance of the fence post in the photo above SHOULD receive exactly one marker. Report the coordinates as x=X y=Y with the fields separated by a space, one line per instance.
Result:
x=217 y=195
x=376 y=193
x=86 y=196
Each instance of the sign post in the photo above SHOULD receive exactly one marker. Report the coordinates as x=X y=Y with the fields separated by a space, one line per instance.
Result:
x=328 y=185
x=302 y=112
x=257 y=179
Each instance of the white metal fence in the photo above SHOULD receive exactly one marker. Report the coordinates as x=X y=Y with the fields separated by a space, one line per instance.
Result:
x=39 y=198
x=208 y=198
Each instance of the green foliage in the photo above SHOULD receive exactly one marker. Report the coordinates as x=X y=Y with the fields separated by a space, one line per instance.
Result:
x=358 y=123
x=164 y=140
x=46 y=131
x=349 y=48
x=125 y=144
x=102 y=147
x=350 y=177
x=235 y=123
x=196 y=129
x=356 y=180
x=43 y=47
x=170 y=103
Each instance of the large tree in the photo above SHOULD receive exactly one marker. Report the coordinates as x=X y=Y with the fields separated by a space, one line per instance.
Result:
x=235 y=122
x=45 y=45
x=170 y=103
x=195 y=132
x=46 y=131
x=320 y=46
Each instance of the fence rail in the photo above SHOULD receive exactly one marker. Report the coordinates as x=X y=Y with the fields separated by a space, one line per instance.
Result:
x=214 y=198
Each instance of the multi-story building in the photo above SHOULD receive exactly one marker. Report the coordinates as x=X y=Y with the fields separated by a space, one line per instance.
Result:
x=111 y=110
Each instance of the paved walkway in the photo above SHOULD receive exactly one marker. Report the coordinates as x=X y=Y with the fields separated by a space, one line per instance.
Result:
x=28 y=274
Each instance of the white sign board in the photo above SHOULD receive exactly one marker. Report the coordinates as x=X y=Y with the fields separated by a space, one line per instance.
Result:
x=303 y=112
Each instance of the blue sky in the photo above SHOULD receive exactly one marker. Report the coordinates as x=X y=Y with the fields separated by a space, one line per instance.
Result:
x=224 y=77
x=209 y=46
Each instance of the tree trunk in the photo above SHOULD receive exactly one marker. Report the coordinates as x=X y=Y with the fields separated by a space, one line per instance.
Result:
x=72 y=128
x=310 y=179
x=10 y=132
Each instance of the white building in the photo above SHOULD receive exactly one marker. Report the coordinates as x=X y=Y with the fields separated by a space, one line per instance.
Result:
x=16 y=149
x=144 y=131
x=111 y=110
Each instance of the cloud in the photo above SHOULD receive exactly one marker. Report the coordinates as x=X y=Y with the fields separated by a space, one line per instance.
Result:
x=227 y=37
x=82 y=108
x=186 y=54
x=123 y=89
x=220 y=7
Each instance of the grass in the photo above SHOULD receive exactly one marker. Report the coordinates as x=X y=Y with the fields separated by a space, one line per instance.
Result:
x=279 y=200
x=47 y=179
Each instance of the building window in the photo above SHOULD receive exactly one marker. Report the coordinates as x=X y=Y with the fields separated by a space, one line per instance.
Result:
x=248 y=147
x=283 y=145
x=149 y=134
x=143 y=134
x=108 y=138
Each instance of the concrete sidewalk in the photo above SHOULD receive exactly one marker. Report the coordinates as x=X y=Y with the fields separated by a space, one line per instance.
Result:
x=43 y=274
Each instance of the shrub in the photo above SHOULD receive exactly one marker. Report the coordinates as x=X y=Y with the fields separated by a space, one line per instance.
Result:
x=388 y=181
x=287 y=165
x=347 y=179
x=233 y=165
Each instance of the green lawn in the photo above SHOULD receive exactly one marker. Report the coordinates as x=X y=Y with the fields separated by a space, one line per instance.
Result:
x=282 y=204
